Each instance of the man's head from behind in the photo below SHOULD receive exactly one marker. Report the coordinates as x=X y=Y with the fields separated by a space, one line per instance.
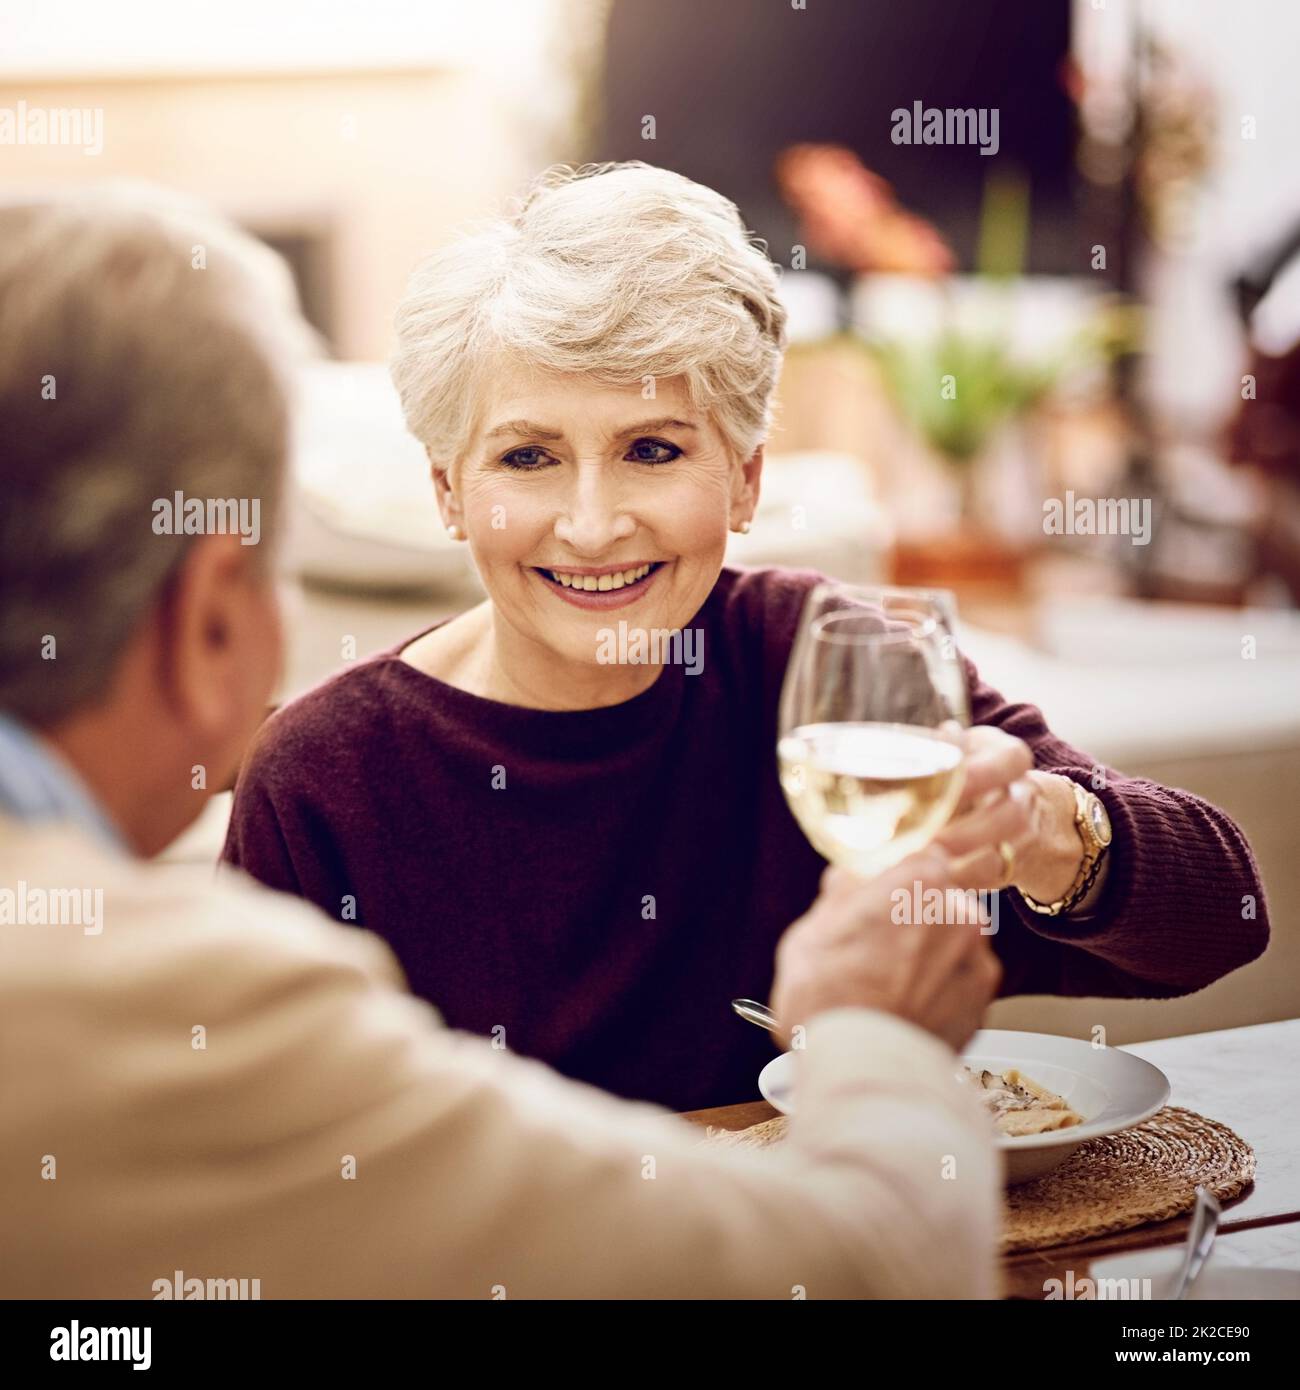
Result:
x=144 y=431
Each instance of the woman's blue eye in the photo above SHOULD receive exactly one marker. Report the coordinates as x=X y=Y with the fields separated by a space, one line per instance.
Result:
x=529 y=457
x=652 y=451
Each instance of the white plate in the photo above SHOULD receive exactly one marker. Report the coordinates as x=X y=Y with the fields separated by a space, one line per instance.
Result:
x=1109 y=1087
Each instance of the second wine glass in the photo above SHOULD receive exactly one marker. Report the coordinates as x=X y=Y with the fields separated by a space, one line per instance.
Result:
x=868 y=745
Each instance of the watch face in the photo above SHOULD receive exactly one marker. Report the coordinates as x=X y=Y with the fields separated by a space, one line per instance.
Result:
x=1100 y=821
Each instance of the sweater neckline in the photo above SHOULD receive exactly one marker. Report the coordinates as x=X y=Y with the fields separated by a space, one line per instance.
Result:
x=652 y=708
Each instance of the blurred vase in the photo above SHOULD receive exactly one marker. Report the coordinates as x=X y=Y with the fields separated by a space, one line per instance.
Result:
x=978 y=536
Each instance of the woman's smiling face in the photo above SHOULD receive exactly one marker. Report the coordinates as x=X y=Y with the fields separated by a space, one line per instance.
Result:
x=587 y=505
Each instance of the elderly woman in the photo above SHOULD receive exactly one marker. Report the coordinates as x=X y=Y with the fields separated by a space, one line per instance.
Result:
x=585 y=858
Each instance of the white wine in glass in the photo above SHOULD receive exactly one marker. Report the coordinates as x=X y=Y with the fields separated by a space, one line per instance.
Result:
x=873 y=700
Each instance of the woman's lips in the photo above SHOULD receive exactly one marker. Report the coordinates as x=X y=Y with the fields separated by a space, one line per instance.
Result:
x=597 y=598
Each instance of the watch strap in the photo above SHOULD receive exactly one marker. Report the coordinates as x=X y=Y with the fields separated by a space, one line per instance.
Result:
x=1094 y=856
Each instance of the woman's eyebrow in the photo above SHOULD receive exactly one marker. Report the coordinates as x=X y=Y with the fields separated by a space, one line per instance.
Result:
x=523 y=427
x=664 y=422
x=530 y=430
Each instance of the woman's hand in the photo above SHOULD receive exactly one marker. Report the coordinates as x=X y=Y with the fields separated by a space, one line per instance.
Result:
x=1006 y=801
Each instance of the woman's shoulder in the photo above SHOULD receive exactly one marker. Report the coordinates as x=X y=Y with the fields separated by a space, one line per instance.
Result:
x=754 y=618
x=340 y=721
x=763 y=603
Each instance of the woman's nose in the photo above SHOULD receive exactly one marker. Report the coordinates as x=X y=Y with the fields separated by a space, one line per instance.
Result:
x=594 y=516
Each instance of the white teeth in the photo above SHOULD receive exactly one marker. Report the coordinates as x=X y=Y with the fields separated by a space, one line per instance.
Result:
x=591 y=583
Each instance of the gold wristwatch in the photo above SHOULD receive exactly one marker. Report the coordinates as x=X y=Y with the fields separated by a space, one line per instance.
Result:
x=1093 y=825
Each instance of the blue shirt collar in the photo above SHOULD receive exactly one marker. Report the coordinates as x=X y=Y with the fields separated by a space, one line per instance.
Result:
x=38 y=784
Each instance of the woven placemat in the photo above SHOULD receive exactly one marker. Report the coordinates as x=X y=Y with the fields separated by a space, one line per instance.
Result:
x=1138 y=1176
x=757 y=1136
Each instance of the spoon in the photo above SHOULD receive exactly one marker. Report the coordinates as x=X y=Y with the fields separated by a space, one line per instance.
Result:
x=1200 y=1237
x=754 y=1012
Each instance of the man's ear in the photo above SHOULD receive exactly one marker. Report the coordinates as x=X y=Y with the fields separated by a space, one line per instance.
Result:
x=746 y=483
x=448 y=502
x=204 y=615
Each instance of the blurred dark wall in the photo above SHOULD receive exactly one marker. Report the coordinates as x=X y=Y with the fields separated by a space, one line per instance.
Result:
x=732 y=82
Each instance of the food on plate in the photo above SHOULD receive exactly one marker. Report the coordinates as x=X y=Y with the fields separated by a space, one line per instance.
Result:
x=1020 y=1106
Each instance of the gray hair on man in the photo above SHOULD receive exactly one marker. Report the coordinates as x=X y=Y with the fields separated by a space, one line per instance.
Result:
x=144 y=352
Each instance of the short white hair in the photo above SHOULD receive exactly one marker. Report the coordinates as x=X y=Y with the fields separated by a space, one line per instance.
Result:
x=618 y=272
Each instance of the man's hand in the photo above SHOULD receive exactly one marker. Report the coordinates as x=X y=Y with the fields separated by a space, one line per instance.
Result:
x=847 y=950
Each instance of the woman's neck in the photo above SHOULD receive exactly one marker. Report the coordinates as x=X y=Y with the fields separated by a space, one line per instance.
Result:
x=481 y=654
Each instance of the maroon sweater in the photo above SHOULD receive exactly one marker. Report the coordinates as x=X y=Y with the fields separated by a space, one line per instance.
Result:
x=633 y=868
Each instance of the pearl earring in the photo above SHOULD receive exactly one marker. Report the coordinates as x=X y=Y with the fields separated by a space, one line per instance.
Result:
x=743 y=528
x=455 y=533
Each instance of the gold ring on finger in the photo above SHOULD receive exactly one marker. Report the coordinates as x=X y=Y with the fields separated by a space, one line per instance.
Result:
x=1008 y=863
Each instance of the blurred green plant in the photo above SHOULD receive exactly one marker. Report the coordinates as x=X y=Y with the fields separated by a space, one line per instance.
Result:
x=990 y=386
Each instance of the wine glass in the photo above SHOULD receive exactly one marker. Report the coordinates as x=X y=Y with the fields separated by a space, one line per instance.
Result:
x=874 y=699
x=940 y=604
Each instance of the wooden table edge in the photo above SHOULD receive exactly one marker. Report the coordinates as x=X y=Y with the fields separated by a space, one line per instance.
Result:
x=1051 y=1261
